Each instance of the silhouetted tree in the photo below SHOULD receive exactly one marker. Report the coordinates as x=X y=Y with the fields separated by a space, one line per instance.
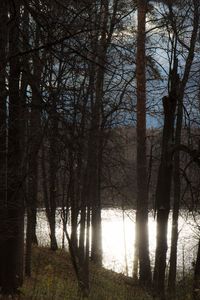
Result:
x=142 y=241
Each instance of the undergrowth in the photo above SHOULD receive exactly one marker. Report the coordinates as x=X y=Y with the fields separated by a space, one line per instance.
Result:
x=53 y=278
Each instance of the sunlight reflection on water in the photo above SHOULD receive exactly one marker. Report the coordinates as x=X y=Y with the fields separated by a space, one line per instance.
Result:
x=118 y=234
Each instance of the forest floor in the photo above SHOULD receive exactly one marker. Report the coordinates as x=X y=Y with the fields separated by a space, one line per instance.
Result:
x=53 y=278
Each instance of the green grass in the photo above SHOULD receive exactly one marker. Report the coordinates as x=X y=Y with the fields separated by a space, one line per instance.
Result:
x=53 y=278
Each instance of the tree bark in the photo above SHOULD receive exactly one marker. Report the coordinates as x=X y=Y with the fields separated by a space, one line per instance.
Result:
x=94 y=156
x=163 y=189
x=142 y=191
x=53 y=162
x=3 y=135
x=14 y=211
x=196 y=285
x=49 y=195
x=33 y=150
x=176 y=174
x=176 y=204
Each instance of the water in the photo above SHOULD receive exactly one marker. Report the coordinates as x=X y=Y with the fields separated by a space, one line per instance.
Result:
x=118 y=234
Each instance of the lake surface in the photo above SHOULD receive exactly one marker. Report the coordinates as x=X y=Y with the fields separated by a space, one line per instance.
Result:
x=118 y=235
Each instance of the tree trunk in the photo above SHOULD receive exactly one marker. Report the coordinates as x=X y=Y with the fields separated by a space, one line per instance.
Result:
x=33 y=147
x=163 y=189
x=177 y=185
x=176 y=204
x=174 y=232
x=142 y=191
x=82 y=231
x=96 y=138
x=49 y=199
x=14 y=212
x=3 y=135
x=53 y=154
x=196 y=285
x=85 y=283
x=73 y=200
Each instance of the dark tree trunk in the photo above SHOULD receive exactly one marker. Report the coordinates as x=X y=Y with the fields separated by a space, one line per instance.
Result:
x=73 y=200
x=84 y=282
x=49 y=199
x=3 y=136
x=85 y=222
x=177 y=184
x=74 y=224
x=174 y=233
x=12 y=265
x=96 y=138
x=52 y=223
x=196 y=285
x=82 y=187
x=82 y=232
x=53 y=159
x=142 y=191
x=84 y=242
x=33 y=150
x=163 y=190
x=176 y=204
x=95 y=200
x=163 y=207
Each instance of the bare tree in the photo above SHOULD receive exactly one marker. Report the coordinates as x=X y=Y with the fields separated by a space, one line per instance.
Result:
x=142 y=241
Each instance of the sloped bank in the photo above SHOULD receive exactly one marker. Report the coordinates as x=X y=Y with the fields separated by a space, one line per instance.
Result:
x=53 y=278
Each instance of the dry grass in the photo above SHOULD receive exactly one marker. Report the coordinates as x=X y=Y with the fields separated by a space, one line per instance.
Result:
x=53 y=278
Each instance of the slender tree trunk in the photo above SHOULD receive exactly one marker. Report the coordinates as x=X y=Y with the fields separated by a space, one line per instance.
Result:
x=33 y=150
x=95 y=200
x=73 y=201
x=176 y=204
x=3 y=136
x=84 y=242
x=85 y=269
x=74 y=221
x=49 y=198
x=177 y=184
x=142 y=192
x=136 y=254
x=82 y=232
x=196 y=285
x=85 y=222
x=52 y=176
x=54 y=245
x=97 y=136
x=174 y=232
